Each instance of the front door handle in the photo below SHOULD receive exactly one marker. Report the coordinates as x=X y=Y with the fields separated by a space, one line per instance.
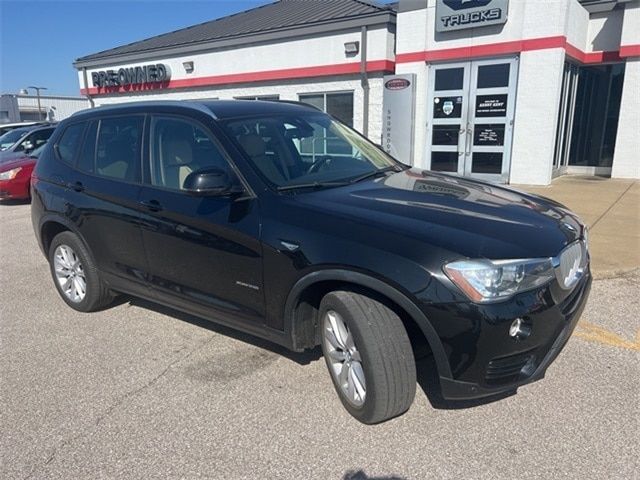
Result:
x=152 y=205
x=75 y=186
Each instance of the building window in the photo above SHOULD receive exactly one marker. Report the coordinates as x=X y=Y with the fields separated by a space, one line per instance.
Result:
x=259 y=97
x=339 y=105
x=595 y=120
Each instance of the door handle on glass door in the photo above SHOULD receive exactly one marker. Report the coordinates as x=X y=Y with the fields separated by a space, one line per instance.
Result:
x=469 y=139
x=460 y=133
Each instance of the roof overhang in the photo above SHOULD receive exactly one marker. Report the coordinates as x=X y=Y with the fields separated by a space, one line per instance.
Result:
x=384 y=18
x=598 y=6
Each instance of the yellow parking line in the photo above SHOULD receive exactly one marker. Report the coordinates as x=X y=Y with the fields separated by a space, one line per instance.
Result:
x=594 y=333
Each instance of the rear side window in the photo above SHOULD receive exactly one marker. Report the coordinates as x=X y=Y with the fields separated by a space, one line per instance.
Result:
x=87 y=155
x=118 y=147
x=69 y=142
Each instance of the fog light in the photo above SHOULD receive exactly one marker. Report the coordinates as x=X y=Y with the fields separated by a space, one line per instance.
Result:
x=519 y=329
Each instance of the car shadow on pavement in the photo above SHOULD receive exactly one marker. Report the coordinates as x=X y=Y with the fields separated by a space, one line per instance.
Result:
x=430 y=383
x=360 y=475
x=10 y=202
x=301 y=358
x=425 y=367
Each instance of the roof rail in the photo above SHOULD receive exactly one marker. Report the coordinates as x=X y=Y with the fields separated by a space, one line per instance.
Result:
x=297 y=102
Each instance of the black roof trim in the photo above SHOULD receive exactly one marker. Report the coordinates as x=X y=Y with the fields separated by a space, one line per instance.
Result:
x=218 y=109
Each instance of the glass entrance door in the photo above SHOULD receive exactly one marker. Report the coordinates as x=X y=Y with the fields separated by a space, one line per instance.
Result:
x=471 y=118
x=565 y=118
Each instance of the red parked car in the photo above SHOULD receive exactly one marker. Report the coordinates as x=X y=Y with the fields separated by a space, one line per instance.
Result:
x=15 y=174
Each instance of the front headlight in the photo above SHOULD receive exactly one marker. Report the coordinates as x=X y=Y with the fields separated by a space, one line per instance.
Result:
x=10 y=174
x=492 y=280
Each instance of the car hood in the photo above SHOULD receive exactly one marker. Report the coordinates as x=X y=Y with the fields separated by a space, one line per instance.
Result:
x=8 y=155
x=469 y=218
x=17 y=160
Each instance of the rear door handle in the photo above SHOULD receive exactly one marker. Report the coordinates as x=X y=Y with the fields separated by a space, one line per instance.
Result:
x=152 y=205
x=76 y=186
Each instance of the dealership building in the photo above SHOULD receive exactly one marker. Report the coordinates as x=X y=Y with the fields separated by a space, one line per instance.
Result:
x=513 y=91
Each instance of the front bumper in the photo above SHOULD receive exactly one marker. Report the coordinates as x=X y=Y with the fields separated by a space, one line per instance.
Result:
x=485 y=360
x=14 y=189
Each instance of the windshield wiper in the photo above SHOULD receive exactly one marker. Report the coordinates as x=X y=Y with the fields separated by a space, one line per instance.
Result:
x=375 y=173
x=311 y=185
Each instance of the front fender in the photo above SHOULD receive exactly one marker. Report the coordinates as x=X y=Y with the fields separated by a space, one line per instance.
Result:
x=371 y=283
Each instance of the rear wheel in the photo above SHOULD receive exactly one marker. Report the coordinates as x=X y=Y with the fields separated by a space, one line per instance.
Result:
x=75 y=276
x=369 y=356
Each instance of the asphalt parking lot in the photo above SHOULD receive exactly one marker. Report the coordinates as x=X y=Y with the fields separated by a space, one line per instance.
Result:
x=140 y=391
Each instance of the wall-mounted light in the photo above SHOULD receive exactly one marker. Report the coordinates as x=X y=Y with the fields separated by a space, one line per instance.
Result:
x=188 y=66
x=351 y=48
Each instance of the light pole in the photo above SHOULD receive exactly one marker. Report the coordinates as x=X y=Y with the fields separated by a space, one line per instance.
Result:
x=37 y=89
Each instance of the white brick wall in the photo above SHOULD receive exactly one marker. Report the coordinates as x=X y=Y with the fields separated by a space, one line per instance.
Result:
x=537 y=100
x=626 y=158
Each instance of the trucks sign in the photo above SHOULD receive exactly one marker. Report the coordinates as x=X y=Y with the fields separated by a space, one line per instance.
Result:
x=461 y=14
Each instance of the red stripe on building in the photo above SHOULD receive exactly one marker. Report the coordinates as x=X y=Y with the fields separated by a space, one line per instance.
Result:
x=248 y=77
x=629 y=51
x=506 y=48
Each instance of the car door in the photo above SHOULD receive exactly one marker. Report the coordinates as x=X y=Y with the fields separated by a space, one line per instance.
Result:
x=203 y=252
x=103 y=191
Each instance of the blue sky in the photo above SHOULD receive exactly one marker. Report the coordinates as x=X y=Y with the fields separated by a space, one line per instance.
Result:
x=39 y=40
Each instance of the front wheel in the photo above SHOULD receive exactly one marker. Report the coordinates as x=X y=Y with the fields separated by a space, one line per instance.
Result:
x=369 y=356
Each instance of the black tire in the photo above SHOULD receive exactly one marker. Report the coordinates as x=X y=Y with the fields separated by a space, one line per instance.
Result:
x=97 y=295
x=387 y=358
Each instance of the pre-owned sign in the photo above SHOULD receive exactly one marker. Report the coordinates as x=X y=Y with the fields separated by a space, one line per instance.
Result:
x=461 y=14
x=138 y=75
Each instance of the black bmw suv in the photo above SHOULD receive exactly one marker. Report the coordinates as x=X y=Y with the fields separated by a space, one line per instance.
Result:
x=280 y=221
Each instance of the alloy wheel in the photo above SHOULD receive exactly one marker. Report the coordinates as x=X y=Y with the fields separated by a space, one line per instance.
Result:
x=345 y=362
x=70 y=273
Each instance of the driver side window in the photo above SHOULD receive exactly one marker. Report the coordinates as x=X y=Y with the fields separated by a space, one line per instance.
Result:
x=180 y=148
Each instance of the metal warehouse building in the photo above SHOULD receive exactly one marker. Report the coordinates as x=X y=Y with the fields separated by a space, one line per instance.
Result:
x=512 y=91
x=32 y=108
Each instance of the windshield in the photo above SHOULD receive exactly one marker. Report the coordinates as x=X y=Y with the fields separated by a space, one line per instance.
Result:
x=307 y=149
x=11 y=137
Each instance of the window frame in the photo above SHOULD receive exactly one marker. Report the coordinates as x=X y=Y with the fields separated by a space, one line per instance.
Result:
x=140 y=163
x=85 y=137
x=324 y=100
x=148 y=159
x=56 y=145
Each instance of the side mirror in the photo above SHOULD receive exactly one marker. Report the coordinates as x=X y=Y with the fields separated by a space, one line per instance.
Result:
x=210 y=182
